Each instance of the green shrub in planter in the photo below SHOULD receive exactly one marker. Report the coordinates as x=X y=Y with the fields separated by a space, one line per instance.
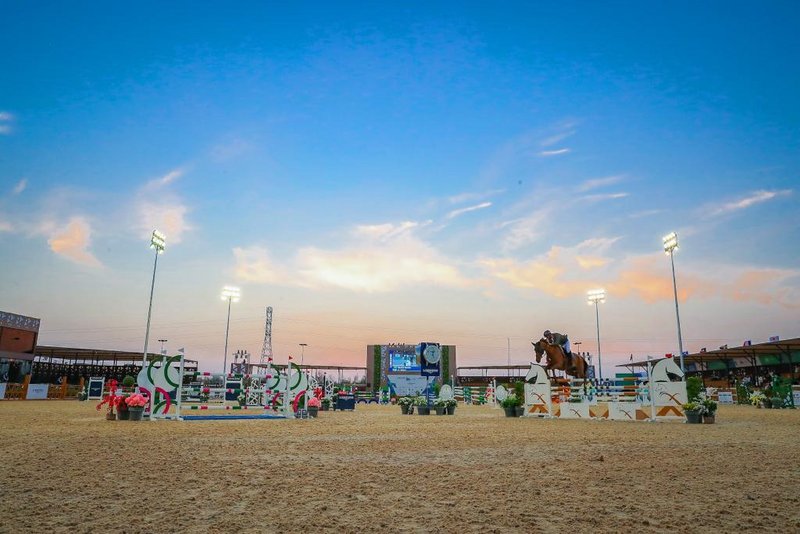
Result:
x=128 y=381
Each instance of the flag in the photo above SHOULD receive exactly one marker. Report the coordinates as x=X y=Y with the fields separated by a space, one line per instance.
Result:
x=747 y=343
x=724 y=347
x=631 y=358
x=702 y=350
x=668 y=355
x=290 y=358
x=774 y=339
x=182 y=350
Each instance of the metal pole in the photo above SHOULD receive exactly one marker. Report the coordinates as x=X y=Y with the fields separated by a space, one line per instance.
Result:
x=509 y=356
x=227 y=328
x=677 y=313
x=149 y=312
x=599 y=359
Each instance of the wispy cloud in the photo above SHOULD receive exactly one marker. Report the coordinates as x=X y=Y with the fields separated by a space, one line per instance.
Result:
x=382 y=258
x=254 y=264
x=756 y=197
x=461 y=211
x=72 y=242
x=168 y=217
x=165 y=180
x=6 y=119
x=645 y=213
x=557 y=152
x=6 y=226
x=557 y=138
x=20 y=187
x=603 y=196
x=471 y=197
x=524 y=230
x=595 y=183
x=166 y=211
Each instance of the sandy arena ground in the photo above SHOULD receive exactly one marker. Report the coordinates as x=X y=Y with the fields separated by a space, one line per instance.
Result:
x=65 y=468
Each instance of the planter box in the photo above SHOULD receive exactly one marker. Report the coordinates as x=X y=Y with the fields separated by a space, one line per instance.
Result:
x=451 y=410
x=441 y=410
x=404 y=409
x=511 y=411
x=694 y=418
x=423 y=410
x=135 y=413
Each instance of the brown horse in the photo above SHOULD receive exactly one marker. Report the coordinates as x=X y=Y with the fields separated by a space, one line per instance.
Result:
x=556 y=359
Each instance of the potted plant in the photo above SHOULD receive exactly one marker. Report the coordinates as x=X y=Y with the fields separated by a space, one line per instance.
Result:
x=241 y=399
x=422 y=406
x=451 y=406
x=776 y=402
x=406 y=404
x=313 y=406
x=326 y=404
x=694 y=412
x=510 y=404
x=136 y=404
x=709 y=410
x=519 y=391
x=440 y=406
x=122 y=408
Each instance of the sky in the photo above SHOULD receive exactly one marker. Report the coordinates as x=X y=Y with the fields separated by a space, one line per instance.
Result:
x=426 y=171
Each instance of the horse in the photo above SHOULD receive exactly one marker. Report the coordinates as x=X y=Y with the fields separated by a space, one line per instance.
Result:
x=556 y=359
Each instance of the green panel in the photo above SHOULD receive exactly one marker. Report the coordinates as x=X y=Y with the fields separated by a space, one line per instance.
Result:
x=796 y=357
x=769 y=360
x=376 y=368
x=717 y=365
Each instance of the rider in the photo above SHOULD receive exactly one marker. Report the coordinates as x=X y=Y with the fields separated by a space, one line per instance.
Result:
x=554 y=338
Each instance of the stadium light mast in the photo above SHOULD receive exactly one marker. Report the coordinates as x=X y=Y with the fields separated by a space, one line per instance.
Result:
x=231 y=294
x=670 y=246
x=596 y=296
x=158 y=243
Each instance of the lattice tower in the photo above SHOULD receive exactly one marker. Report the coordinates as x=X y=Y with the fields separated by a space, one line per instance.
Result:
x=266 y=350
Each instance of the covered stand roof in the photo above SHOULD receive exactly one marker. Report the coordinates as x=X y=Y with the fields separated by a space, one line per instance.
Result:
x=787 y=349
x=45 y=353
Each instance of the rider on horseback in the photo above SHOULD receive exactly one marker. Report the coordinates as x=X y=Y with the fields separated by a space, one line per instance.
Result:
x=554 y=338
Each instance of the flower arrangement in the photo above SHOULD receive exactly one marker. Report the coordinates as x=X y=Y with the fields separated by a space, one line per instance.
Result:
x=694 y=407
x=326 y=402
x=405 y=401
x=136 y=400
x=757 y=398
x=111 y=400
x=241 y=399
x=451 y=403
x=709 y=407
x=421 y=401
x=314 y=402
x=440 y=403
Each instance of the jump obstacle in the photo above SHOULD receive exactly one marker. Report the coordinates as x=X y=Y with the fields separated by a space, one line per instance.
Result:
x=657 y=398
x=280 y=393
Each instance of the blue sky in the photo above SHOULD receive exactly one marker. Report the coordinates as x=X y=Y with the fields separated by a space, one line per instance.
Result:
x=451 y=172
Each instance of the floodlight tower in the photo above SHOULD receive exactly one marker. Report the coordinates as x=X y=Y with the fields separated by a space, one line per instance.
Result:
x=670 y=246
x=231 y=294
x=596 y=296
x=158 y=243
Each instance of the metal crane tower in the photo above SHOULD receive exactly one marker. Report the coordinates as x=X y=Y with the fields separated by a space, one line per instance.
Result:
x=266 y=350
